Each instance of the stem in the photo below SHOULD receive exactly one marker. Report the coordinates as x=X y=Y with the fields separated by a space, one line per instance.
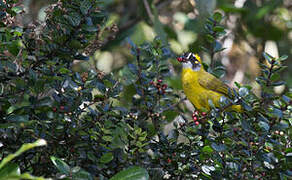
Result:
x=268 y=82
x=173 y=105
x=140 y=73
x=214 y=35
x=148 y=10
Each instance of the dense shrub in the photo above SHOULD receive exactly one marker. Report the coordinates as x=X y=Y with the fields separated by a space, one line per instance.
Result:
x=97 y=124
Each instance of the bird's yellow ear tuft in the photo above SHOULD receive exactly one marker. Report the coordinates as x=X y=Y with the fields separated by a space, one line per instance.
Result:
x=198 y=58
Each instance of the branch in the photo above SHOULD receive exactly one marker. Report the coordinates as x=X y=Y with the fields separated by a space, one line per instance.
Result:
x=148 y=10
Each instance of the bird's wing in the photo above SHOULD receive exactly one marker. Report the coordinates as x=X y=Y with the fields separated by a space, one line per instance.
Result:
x=210 y=82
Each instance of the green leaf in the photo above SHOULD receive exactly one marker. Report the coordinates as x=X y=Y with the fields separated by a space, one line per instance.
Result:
x=74 y=19
x=107 y=138
x=210 y=38
x=89 y=28
x=61 y=165
x=170 y=115
x=207 y=149
x=286 y=99
x=218 y=29
x=85 y=5
x=283 y=58
x=217 y=16
x=132 y=173
x=264 y=125
x=18 y=118
x=245 y=125
x=277 y=112
x=9 y=170
x=24 y=147
x=218 y=147
x=106 y=158
x=80 y=174
x=17 y=9
x=275 y=77
x=207 y=169
x=268 y=57
x=64 y=70
x=243 y=92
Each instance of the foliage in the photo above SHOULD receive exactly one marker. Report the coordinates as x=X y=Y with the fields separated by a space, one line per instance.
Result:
x=99 y=125
x=11 y=171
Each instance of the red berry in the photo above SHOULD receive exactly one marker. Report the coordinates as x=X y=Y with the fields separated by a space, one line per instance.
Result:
x=164 y=86
x=204 y=113
x=151 y=82
x=195 y=118
x=197 y=123
x=62 y=108
x=54 y=109
x=159 y=80
x=180 y=59
x=168 y=160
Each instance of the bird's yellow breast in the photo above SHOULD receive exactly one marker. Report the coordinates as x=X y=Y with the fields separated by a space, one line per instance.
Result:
x=198 y=95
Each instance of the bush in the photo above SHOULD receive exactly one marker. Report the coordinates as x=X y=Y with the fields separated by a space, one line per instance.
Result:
x=97 y=124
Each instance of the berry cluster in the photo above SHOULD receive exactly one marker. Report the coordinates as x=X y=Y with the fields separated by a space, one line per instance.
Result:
x=132 y=115
x=62 y=109
x=196 y=116
x=159 y=86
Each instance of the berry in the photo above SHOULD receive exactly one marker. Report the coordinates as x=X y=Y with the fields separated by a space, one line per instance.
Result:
x=204 y=113
x=180 y=59
x=168 y=160
x=164 y=86
x=159 y=80
x=54 y=109
x=196 y=113
x=62 y=108
x=197 y=123
x=195 y=118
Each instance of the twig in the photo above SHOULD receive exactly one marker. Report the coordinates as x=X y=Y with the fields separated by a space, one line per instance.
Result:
x=140 y=72
x=148 y=10
x=161 y=5
x=270 y=73
x=173 y=105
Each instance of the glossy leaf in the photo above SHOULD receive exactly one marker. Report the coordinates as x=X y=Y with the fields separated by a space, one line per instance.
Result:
x=60 y=165
x=132 y=173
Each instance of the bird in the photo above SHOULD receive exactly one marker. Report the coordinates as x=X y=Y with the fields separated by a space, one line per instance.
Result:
x=201 y=87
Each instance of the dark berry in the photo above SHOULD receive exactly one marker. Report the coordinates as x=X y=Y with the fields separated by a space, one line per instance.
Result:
x=62 y=108
x=164 y=86
x=196 y=113
x=180 y=59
